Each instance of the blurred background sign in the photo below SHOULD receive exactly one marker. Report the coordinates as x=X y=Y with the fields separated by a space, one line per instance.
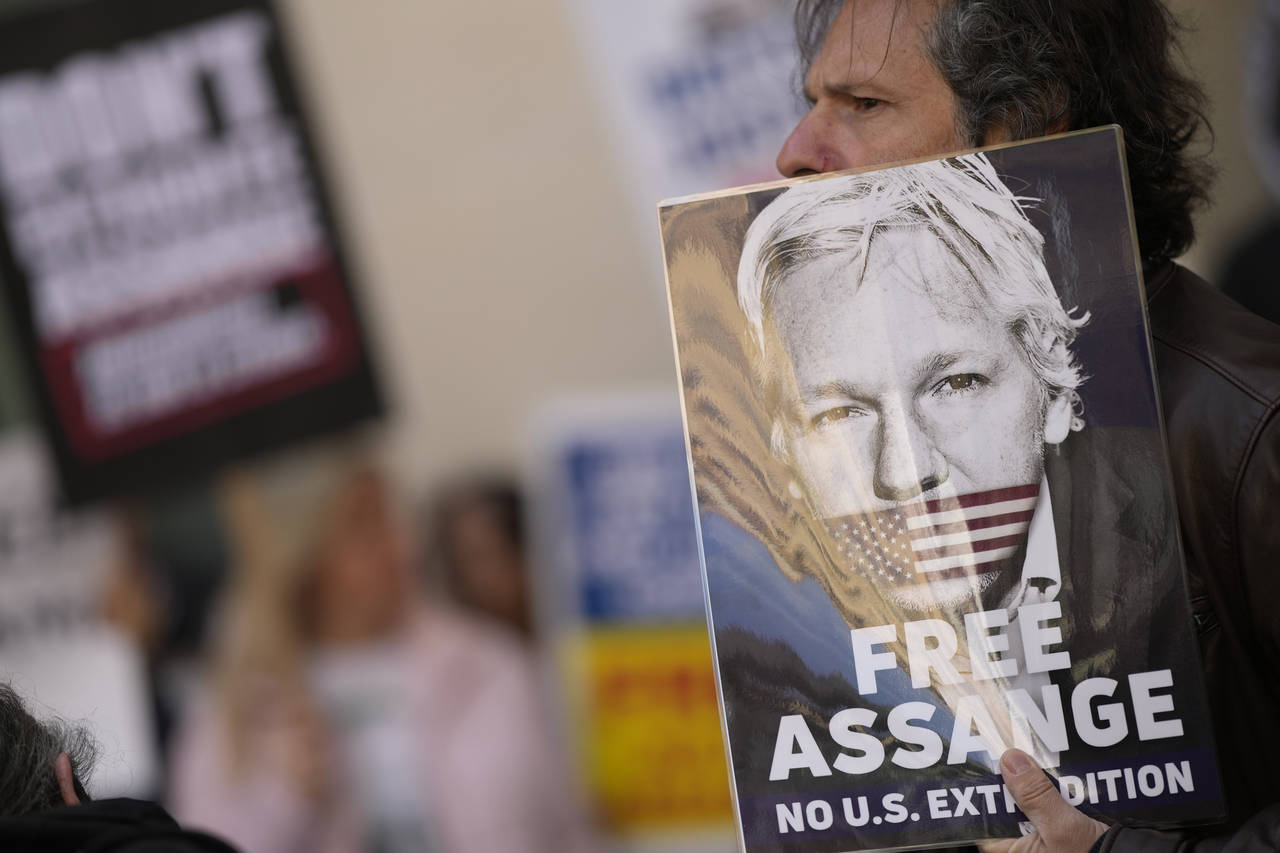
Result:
x=56 y=648
x=699 y=93
x=174 y=267
x=621 y=606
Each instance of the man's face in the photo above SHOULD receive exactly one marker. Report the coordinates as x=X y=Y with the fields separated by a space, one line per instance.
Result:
x=905 y=389
x=875 y=96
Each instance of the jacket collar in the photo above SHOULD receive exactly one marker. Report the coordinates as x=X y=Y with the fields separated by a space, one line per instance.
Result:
x=1157 y=277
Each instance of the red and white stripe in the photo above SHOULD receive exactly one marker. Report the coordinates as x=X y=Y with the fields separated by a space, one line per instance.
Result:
x=970 y=533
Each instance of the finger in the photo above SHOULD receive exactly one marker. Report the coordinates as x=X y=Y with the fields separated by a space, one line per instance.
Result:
x=1029 y=843
x=1034 y=791
x=1060 y=826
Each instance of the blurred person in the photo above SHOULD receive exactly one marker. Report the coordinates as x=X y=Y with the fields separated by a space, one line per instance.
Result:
x=169 y=564
x=42 y=765
x=129 y=599
x=476 y=531
x=1249 y=272
x=349 y=713
x=892 y=80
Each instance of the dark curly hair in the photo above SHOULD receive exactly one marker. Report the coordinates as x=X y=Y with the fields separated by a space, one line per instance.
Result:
x=1035 y=66
x=28 y=748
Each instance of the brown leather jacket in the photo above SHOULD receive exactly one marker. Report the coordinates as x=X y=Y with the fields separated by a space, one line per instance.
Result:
x=1218 y=367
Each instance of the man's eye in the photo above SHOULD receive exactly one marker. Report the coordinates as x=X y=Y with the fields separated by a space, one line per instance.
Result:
x=831 y=416
x=962 y=382
x=867 y=103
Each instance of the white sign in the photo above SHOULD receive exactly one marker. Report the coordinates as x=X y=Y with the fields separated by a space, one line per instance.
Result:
x=55 y=649
x=699 y=94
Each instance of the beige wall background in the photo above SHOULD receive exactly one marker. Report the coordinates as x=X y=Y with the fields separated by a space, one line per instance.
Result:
x=501 y=263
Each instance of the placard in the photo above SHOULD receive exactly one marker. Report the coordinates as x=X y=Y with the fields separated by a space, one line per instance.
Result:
x=935 y=508
x=174 y=265
x=621 y=608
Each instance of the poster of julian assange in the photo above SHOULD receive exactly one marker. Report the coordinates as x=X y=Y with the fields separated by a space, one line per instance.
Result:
x=933 y=498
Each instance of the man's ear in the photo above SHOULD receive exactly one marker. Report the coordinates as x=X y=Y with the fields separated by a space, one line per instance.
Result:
x=66 y=779
x=996 y=134
x=1057 y=419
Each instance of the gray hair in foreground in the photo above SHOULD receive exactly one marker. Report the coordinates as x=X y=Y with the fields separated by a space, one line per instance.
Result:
x=962 y=203
x=28 y=748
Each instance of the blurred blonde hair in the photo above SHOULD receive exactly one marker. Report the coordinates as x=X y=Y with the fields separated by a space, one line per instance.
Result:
x=278 y=523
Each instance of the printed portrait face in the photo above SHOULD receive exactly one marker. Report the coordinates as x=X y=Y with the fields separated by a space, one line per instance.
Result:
x=906 y=403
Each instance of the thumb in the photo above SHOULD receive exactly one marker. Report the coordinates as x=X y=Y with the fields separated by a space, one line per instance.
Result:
x=1060 y=825
x=1035 y=792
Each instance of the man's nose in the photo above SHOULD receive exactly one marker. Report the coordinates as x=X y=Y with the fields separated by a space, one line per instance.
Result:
x=907 y=461
x=806 y=150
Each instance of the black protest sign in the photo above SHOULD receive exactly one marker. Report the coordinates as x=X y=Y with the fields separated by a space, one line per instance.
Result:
x=166 y=239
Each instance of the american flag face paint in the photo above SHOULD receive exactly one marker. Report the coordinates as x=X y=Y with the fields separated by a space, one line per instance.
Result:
x=926 y=541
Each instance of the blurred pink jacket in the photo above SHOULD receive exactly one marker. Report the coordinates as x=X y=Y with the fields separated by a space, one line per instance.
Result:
x=498 y=782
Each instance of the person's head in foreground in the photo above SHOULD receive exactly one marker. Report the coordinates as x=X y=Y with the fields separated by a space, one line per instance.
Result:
x=916 y=362
x=41 y=764
x=893 y=80
x=43 y=805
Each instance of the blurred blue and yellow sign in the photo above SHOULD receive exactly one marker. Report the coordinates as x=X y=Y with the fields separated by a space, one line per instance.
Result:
x=620 y=600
